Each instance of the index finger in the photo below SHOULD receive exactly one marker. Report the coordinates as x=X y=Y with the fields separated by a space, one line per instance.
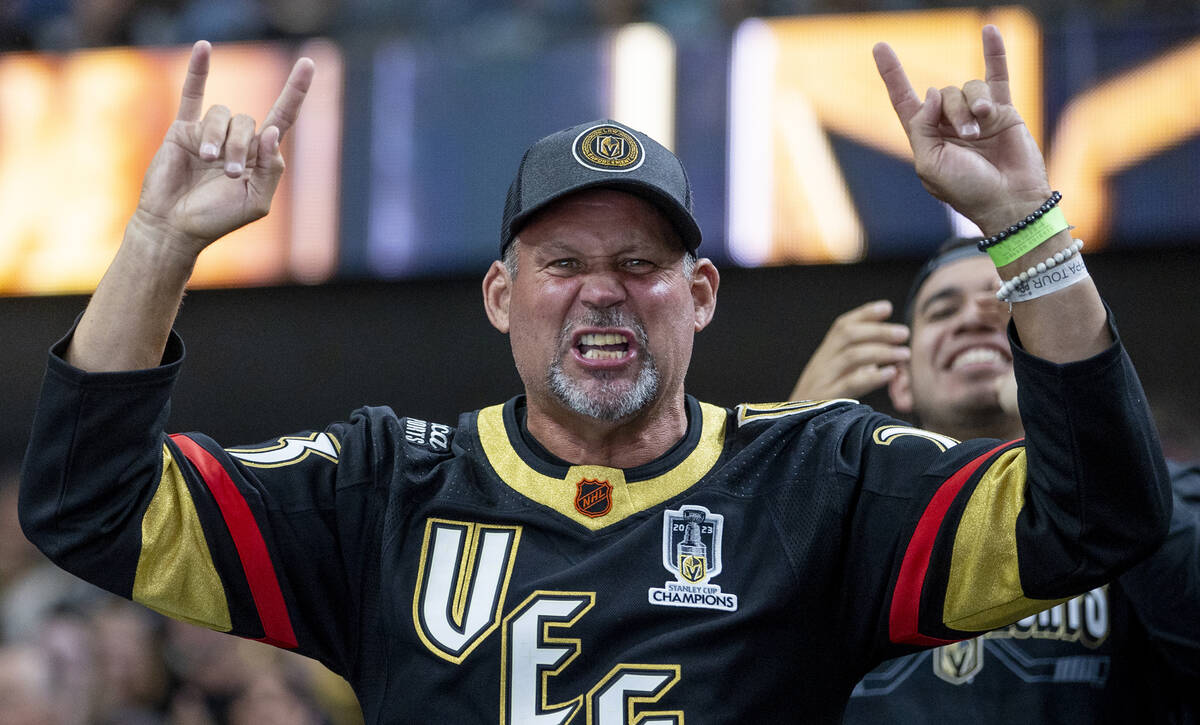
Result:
x=875 y=310
x=287 y=107
x=900 y=91
x=191 y=99
x=995 y=65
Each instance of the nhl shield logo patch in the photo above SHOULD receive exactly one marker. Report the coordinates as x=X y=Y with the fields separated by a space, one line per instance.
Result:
x=692 y=553
x=593 y=498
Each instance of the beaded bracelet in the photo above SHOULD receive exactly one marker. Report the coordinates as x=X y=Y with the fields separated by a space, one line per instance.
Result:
x=995 y=239
x=1039 y=280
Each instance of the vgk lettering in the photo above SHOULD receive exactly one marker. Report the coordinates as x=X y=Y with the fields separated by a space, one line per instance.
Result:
x=462 y=584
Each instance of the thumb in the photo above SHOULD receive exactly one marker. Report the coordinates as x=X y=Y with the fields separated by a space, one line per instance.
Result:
x=1006 y=394
x=923 y=131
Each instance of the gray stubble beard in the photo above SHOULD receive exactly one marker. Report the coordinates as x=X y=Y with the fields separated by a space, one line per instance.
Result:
x=609 y=404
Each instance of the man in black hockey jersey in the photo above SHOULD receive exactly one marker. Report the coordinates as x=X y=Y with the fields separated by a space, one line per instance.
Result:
x=1121 y=652
x=534 y=564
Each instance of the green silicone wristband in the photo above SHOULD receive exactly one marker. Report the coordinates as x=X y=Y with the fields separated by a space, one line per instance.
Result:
x=1024 y=241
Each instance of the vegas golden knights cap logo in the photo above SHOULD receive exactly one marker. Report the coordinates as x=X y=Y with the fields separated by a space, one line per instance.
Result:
x=593 y=498
x=692 y=553
x=608 y=148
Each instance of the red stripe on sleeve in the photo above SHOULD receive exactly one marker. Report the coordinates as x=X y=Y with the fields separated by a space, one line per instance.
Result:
x=903 y=621
x=251 y=548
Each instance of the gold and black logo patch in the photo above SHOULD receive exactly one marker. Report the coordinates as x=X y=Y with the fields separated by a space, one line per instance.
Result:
x=958 y=663
x=608 y=148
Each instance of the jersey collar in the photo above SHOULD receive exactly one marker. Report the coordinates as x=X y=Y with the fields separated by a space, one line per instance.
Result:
x=560 y=487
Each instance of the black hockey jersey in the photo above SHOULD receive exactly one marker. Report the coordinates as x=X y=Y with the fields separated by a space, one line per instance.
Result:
x=1121 y=653
x=461 y=574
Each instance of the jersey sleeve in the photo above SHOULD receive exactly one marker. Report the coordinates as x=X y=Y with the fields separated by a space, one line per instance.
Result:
x=1164 y=590
x=999 y=530
x=264 y=541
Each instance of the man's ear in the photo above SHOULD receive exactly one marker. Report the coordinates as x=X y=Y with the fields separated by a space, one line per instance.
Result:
x=705 y=280
x=900 y=390
x=497 y=288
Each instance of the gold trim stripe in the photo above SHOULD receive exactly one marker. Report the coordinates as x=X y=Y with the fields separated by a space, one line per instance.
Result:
x=175 y=571
x=628 y=499
x=984 y=591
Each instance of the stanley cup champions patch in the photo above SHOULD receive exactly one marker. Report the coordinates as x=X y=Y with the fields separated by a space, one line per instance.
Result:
x=692 y=553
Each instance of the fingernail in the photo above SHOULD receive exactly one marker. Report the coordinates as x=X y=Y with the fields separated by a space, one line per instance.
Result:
x=233 y=168
x=208 y=150
x=969 y=129
x=882 y=307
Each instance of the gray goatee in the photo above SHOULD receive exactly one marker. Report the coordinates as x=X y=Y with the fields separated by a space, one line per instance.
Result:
x=613 y=399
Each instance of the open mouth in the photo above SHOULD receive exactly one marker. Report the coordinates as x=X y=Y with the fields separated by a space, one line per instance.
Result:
x=602 y=346
x=979 y=355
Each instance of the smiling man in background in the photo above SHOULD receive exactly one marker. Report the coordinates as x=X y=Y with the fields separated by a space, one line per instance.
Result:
x=1124 y=652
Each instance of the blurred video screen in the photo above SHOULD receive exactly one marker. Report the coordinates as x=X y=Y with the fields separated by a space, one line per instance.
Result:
x=820 y=169
x=792 y=148
x=78 y=130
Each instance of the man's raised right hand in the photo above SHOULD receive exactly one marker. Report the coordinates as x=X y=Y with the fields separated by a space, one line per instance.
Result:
x=214 y=173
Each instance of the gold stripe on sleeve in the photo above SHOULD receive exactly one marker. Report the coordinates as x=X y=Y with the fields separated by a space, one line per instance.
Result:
x=175 y=572
x=984 y=591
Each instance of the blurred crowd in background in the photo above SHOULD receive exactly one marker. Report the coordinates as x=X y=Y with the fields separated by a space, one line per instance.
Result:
x=67 y=24
x=72 y=654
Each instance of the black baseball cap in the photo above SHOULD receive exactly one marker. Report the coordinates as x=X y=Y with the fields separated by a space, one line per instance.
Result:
x=599 y=154
x=949 y=251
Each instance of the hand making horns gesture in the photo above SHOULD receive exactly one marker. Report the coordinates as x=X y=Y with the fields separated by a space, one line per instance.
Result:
x=215 y=174
x=971 y=148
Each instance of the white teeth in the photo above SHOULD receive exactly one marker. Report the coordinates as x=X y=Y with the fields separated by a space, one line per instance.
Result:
x=978 y=355
x=602 y=355
x=609 y=338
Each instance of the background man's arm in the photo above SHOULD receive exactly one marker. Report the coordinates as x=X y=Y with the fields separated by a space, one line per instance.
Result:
x=858 y=355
